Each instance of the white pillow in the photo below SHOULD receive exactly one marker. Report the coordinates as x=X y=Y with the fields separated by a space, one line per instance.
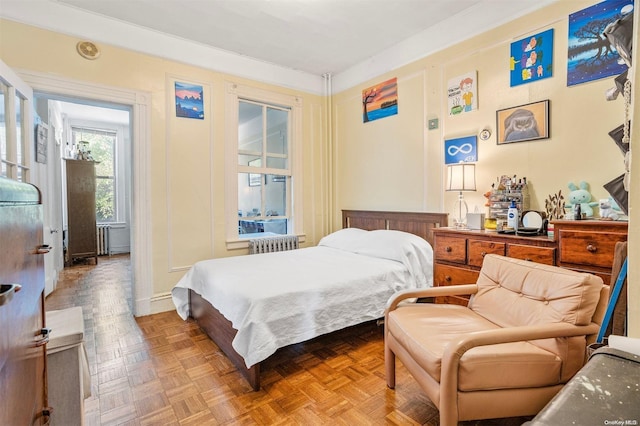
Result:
x=415 y=253
x=349 y=239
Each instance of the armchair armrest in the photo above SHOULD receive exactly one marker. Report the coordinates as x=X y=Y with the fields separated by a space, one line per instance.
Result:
x=516 y=334
x=453 y=290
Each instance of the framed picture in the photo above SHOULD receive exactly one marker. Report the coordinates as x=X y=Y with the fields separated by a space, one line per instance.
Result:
x=380 y=101
x=279 y=178
x=42 y=131
x=461 y=150
x=189 y=100
x=589 y=54
x=532 y=58
x=523 y=123
x=462 y=93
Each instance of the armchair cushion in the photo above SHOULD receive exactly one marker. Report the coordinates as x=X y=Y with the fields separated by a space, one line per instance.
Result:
x=513 y=293
x=419 y=329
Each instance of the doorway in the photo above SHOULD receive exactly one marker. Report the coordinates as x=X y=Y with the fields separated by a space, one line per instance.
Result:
x=139 y=104
x=106 y=130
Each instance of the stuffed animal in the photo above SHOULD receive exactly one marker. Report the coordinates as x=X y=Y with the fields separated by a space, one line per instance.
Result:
x=606 y=210
x=580 y=196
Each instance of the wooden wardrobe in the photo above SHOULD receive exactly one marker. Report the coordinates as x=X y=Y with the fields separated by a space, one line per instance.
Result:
x=81 y=211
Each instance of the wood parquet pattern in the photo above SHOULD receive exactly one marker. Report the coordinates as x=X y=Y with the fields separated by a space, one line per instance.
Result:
x=160 y=370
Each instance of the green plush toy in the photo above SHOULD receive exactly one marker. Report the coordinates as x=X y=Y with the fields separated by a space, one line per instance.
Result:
x=580 y=196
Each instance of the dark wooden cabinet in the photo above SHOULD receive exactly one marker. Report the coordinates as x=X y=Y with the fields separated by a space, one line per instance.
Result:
x=22 y=345
x=580 y=245
x=81 y=210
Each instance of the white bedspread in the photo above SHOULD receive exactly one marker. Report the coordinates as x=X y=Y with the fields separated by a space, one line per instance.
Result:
x=277 y=299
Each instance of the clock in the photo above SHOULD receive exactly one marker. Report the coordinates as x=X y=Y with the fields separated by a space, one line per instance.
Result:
x=485 y=134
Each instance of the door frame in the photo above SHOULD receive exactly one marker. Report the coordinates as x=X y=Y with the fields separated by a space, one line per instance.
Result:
x=140 y=102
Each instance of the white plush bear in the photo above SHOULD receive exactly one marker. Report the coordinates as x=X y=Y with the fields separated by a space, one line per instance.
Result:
x=606 y=210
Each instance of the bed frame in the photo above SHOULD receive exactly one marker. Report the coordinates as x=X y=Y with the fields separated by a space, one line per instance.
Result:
x=219 y=329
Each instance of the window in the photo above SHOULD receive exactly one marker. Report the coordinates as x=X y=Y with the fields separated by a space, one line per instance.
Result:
x=14 y=149
x=101 y=144
x=264 y=195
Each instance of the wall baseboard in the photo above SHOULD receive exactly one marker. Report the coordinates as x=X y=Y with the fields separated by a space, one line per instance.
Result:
x=161 y=302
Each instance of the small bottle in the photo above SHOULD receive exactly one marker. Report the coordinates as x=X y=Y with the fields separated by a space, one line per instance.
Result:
x=512 y=216
x=578 y=212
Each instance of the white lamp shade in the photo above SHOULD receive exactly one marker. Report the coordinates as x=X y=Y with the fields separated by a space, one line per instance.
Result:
x=461 y=177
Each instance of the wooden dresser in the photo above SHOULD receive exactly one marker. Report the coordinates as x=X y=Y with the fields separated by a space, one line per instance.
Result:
x=585 y=246
x=588 y=245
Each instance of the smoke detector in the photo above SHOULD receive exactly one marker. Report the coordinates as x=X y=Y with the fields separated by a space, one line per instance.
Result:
x=88 y=50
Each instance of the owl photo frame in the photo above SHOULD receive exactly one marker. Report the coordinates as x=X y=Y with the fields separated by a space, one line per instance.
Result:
x=523 y=123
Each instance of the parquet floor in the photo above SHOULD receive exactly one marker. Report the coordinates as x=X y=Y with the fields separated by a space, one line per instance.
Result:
x=160 y=370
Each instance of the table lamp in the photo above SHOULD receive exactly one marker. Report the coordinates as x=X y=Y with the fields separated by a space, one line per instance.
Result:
x=461 y=177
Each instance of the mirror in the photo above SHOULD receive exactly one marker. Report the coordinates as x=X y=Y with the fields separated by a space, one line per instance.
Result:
x=532 y=219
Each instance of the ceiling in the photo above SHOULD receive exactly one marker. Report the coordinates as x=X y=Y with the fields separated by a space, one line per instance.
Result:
x=290 y=42
x=92 y=113
x=314 y=36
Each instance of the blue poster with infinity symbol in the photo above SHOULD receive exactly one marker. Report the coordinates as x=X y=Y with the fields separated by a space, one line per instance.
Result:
x=461 y=150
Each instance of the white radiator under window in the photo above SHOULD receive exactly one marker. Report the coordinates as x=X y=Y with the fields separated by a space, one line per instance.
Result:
x=271 y=244
x=103 y=240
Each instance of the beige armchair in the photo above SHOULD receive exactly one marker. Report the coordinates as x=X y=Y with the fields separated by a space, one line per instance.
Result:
x=522 y=337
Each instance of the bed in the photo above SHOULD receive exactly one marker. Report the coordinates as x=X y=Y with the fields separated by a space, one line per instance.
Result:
x=250 y=307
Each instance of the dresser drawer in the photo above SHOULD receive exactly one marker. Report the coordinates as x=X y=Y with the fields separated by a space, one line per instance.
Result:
x=450 y=249
x=546 y=255
x=478 y=249
x=589 y=248
x=445 y=275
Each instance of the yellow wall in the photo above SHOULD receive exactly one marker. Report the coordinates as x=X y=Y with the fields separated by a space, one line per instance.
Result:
x=186 y=156
x=395 y=163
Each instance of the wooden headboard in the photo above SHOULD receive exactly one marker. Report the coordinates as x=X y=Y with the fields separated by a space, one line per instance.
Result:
x=418 y=223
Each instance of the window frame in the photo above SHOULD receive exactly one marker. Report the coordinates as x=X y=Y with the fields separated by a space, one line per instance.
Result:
x=234 y=93
x=120 y=179
x=16 y=88
x=260 y=172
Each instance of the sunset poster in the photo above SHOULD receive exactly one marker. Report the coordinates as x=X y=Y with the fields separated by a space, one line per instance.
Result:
x=189 y=101
x=380 y=101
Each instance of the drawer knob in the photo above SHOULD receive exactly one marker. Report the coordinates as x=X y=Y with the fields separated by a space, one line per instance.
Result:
x=483 y=254
x=591 y=248
x=447 y=278
x=448 y=249
x=528 y=259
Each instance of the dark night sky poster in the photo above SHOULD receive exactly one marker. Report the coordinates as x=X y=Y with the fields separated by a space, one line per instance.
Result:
x=590 y=56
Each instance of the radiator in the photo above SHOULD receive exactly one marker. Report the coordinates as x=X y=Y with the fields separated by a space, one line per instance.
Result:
x=103 y=240
x=271 y=244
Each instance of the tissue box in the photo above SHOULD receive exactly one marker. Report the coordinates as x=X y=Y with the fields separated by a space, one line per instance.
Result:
x=475 y=220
